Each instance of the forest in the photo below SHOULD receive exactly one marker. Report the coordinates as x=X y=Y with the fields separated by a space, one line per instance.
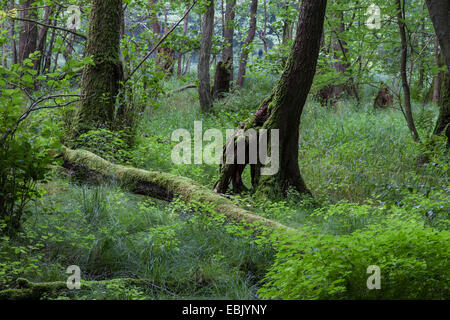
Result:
x=224 y=150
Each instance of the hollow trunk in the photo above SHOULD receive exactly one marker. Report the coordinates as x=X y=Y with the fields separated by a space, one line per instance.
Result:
x=204 y=88
x=282 y=111
x=101 y=81
x=248 y=41
x=403 y=63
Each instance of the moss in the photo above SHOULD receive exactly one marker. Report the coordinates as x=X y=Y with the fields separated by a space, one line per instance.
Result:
x=168 y=184
x=101 y=81
x=35 y=291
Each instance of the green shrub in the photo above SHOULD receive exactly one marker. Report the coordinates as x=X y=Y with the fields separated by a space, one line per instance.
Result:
x=110 y=145
x=24 y=150
x=413 y=259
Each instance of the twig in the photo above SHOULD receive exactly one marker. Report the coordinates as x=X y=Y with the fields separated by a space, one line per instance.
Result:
x=160 y=42
x=52 y=27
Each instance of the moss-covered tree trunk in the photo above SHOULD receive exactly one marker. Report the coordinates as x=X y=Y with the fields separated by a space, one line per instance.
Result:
x=101 y=81
x=283 y=110
x=443 y=121
x=440 y=16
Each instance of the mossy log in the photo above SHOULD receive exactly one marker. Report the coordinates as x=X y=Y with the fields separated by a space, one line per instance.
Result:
x=163 y=186
x=28 y=290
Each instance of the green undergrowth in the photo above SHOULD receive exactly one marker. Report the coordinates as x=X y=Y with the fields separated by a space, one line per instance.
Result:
x=182 y=251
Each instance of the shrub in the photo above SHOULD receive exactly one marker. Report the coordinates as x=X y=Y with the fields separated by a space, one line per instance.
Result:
x=24 y=151
x=413 y=259
x=110 y=145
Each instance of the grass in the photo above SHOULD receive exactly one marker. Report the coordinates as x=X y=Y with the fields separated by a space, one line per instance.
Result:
x=354 y=159
x=110 y=234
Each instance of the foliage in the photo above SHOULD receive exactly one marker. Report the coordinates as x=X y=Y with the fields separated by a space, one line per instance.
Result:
x=111 y=145
x=412 y=257
x=24 y=149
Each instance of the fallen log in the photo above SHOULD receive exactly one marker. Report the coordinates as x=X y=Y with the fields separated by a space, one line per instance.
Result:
x=27 y=290
x=190 y=86
x=164 y=186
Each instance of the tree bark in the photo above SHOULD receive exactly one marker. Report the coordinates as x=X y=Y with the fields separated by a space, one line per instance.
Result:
x=443 y=121
x=228 y=33
x=224 y=70
x=283 y=110
x=248 y=41
x=438 y=77
x=42 y=38
x=403 y=63
x=204 y=89
x=440 y=16
x=180 y=56
x=101 y=82
x=12 y=35
x=28 y=31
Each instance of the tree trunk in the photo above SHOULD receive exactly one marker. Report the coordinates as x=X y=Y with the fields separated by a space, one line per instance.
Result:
x=48 y=56
x=443 y=121
x=12 y=35
x=248 y=41
x=224 y=70
x=403 y=63
x=28 y=30
x=180 y=56
x=204 y=89
x=438 y=77
x=101 y=82
x=283 y=110
x=42 y=39
x=228 y=33
x=440 y=16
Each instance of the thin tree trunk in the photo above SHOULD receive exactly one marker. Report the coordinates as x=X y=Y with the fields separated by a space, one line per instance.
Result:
x=437 y=78
x=12 y=35
x=248 y=41
x=264 y=34
x=224 y=70
x=180 y=56
x=403 y=63
x=42 y=39
x=228 y=32
x=48 y=57
x=204 y=89
x=283 y=110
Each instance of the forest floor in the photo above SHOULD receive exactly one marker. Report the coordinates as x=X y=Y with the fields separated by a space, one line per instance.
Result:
x=350 y=157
